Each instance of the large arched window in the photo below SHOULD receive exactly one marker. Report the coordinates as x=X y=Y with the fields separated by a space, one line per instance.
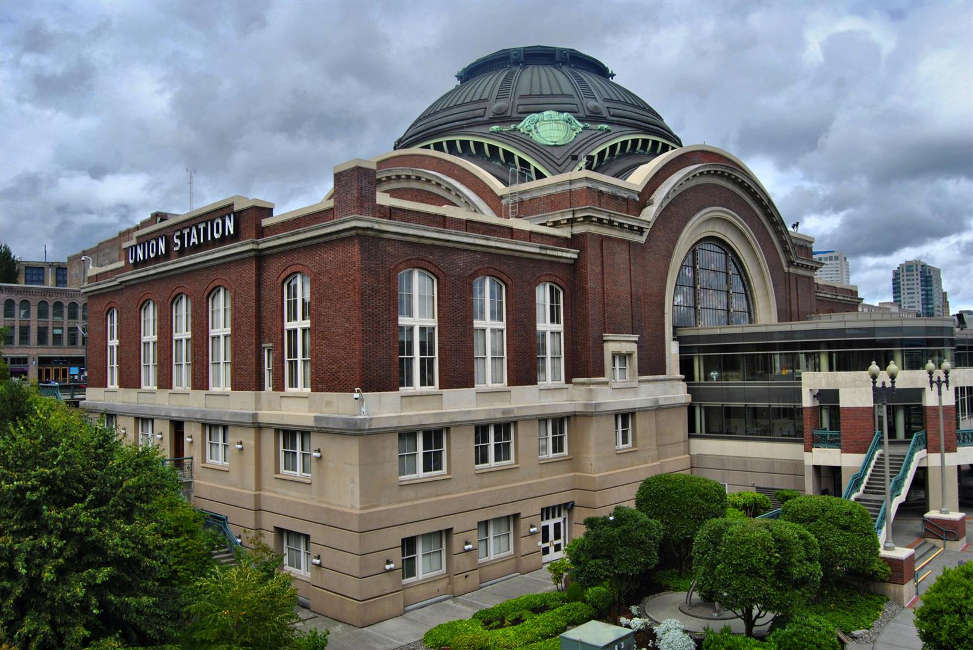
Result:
x=58 y=311
x=149 y=340
x=181 y=342
x=417 y=329
x=111 y=322
x=219 y=339
x=42 y=311
x=72 y=311
x=489 y=345
x=297 y=332
x=25 y=309
x=550 y=331
x=711 y=289
x=9 y=308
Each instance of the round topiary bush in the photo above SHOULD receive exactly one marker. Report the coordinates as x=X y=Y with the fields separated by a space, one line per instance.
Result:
x=600 y=598
x=681 y=503
x=751 y=503
x=945 y=618
x=783 y=496
x=806 y=631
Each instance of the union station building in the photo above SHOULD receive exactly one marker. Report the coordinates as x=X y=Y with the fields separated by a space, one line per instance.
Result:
x=539 y=297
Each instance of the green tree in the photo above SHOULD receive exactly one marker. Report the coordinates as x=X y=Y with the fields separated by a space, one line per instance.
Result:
x=945 y=618
x=618 y=550
x=4 y=370
x=96 y=542
x=845 y=533
x=681 y=503
x=751 y=504
x=756 y=568
x=8 y=265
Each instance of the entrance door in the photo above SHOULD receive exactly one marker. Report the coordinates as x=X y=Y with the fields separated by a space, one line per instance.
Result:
x=553 y=532
x=178 y=439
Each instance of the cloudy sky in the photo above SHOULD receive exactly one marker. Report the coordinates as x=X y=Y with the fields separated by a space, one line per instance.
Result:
x=857 y=116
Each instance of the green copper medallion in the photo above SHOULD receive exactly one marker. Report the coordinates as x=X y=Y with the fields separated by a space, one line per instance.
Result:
x=549 y=127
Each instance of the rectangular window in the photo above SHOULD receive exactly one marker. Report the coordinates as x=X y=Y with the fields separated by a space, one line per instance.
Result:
x=145 y=434
x=297 y=553
x=34 y=275
x=295 y=453
x=61 y=276
x=423 y=556
x=8 y=334
x=494 y=538
x=268 y=368
x=552 y=437
x=42 y=335
x=493 y=444
x=57 y=336
x=422 y=453
x=623 y=430
x=111 y=322
x=72 y=336
x=111 y=421
x=217 y=445
x=619 y=367
x=23 y=334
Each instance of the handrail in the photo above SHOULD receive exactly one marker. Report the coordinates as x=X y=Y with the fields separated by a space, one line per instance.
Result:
x=220 y=523
x=964 y=438
x=898 y=483
x=945 y=534
x=826 y=438
x=771 y=514
x=858 y=478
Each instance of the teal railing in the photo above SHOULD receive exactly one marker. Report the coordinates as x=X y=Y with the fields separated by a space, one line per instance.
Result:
x=826 y=439
x=220 y=524
x=964 y=438
x=899 y=482
x=773 y=514
x=856 y=480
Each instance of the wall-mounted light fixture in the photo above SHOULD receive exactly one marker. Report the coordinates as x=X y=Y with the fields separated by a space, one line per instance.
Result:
x=158 y=436
x=122 y=431
x=238 y=540
x=389 y=565
x=360 y=397
x=532 y=529
x=316 y=453
x=467 y=546
x=239 y=445
x=189 y=439
x=611 y=517
x=316 y=560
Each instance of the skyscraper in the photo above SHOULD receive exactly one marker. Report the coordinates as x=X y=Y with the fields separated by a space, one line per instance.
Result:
x=835 y=267
x=918 y=287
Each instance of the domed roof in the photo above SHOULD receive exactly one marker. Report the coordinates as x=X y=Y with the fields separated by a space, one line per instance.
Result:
x=538 y=111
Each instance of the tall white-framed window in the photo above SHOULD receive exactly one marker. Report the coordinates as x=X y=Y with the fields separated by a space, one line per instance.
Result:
x=494 y=538
x=295 y=452
x=493 y=444
x=217 y=444
x=297 y=552
x=111 y=421
x=181 y=342
x=623 y=430
x=146 y=436
x=552 y=437
x=550 y=334
x=149 y=344
x=219 y=339
x=417 y=329
x=423 y=556
x=489 y=334
x=268 y=367
x=297 y=332
x=620 y=366
x=111 y=323
x=422 y=453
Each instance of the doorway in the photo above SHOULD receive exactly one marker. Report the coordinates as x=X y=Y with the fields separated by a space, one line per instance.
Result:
x=553 y=532
x=178 y=438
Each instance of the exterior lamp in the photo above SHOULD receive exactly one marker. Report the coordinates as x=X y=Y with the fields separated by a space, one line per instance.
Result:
x=238 y=540
x=316 y=560
x=389 y=565
x=467 y=546
x=532 y=529
x=316 y=453
x=881 y=395
x=239 y=445
x=189 y=439
x=939 y=382
x=158 y=436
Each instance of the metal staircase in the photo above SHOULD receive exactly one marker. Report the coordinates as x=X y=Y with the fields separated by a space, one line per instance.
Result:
x=872 y=495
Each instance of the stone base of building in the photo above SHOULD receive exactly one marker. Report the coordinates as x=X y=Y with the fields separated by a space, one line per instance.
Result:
x=900 y=586
x=954 y=522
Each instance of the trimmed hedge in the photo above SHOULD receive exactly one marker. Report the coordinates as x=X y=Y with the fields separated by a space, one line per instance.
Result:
x=806 y=631
x=508 y=609
x=750 y=503
x=945 y=619
x=725 y=639
x=445 y=633
x=600 y=598
x=846 y=607
x=783 y=496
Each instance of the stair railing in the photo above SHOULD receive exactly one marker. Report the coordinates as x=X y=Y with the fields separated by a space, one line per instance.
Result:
x=220 y=524
x=857 y=481
x=964 y=438
x=900 y=484
x=935 y=530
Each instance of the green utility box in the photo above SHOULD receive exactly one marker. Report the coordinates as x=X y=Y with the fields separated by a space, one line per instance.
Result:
x=595 y=635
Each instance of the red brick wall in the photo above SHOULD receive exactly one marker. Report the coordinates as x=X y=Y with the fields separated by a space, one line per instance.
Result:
x=450 y=169
x=810 y=415
x=902 y=571
x=857 y=428
x=958 y=526
x=932 y=428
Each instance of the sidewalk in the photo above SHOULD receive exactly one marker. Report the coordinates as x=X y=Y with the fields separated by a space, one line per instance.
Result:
x=409 y=628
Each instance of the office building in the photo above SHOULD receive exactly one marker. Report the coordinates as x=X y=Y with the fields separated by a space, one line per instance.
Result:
x=835 y=269
x=918 y=287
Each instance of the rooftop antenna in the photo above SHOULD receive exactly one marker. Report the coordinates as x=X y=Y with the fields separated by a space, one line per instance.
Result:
x=45 y=252
x=189 y=174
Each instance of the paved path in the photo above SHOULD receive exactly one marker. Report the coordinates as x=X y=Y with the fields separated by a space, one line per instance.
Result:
x=408 y=628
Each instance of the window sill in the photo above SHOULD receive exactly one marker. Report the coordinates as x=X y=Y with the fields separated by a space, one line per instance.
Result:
x=628 y=383
x=219 y=468
x=412 y=480
x=409 y=582
x=298 y=574
x=493 y=560
x=486 y=469
x=217 y=391
x=148 y=391
x=626 y=450
x=499 y=388
x=552 y=386
x=420 y=391
x=180 y=391
x=297 y=392
x=543 y=460
x=296 y=479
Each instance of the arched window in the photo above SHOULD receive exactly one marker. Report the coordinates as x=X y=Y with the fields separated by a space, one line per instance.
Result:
x=417 y=329
x=9 y=308
x=489 y=344
x=297 y=332
x=711 y=289
x=25 y=309
x=72 y=311
x=550 y=330
x=42 y=311
x=84 y=311
x=149 y=350
x=181 y=342
x=58 y=312
x=219 y=339
x=111 y=321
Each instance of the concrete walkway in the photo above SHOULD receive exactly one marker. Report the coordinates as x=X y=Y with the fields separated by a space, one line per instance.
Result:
x=409 y=628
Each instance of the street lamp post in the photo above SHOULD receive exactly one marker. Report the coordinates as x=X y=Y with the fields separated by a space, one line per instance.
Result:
x=939 y=382
x=881 y=395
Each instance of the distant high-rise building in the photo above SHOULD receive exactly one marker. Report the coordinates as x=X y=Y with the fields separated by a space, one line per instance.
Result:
x=835 y=269
x=918 y=287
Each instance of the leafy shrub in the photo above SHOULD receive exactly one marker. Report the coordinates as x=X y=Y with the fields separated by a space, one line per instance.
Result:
x=554 y=643
x=681 y=503
x=492 y=616
x=733 y=513
x=806 y=631
x=725 y=639
x=600 y=598
x=846 y=536
x=670 y=580
x=445 y=633
x=559 y=570
x=471 y=641
x=750 y=503
x=783 y=496
x=670 y=635
x=846 y=607
x=575 y=592
x=543 y=626
x=945 y=618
